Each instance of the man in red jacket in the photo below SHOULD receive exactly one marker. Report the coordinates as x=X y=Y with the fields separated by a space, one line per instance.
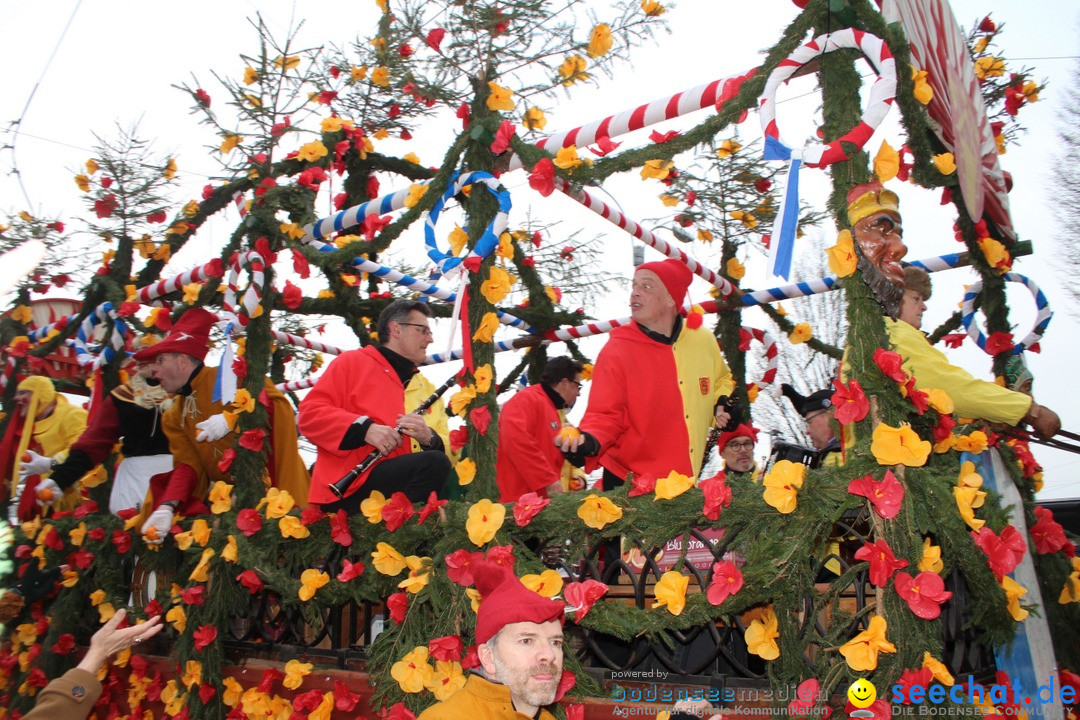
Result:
x=657 y=386
x=358 y=407
x=529 y=422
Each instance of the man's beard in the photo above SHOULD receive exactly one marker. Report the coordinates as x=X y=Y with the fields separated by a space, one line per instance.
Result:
x=522 y=686
x=887 y=294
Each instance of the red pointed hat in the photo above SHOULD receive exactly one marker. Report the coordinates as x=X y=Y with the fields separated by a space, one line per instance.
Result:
x=504 y=600
x=675 y=276
x=190 y=335
x=743 y=430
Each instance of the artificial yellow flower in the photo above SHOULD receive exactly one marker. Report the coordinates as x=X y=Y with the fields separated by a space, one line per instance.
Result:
x=886 y=162
x=170 y=169
x=735 y=269
x=192 y=673
x=312 y=151
x=381 y=76
x=322 y=712
x=600 y=41
x=461 y=399
x=92 y=167
x=672 y=486
x=922 y=91
x=746 y=218
x=842 y=259
x=200 y=532
x=291 y=230
x=861 y=652
x=458 y=239
x=82 y=182
x=899 y=446
x=295 y=672
x=534 y=119
x=500 y=98
x=973 y=443
x=233 y=692
x=1070 y=591
x=1013 y=592
x=413 y=672
x=387 y=560
x=945 y=163
x=669 y=200
x=670 y=591
x=466 y=471
x=474 y=598
x=416 y=191
x=447 y=679
x=482 y=377
x=230 y=142
x=996 y=254
x=598 y=511
x=310 y=581
x=220 y=497
x=485 y=519
x=287 y=62
x=988 y=67
x=940 y=401
x=938 y=669
x=728 y=148
x=705 y=236
x=229 y=553
x=548 y=583
x=201 y=573
x=761 y=636
x=290 y=526
x=77 y=534
x=782 y=485
x=567 y=158
x=419 y=574
x=968 y=498
x=656 y=169
x=178 y=617
x=931 y=558
x=372 y=507
x=652 y=8
x=800 y=334
x=358 y=73
x=485 y=332
x=411 y=157
x=22 y=314
x=278 y=503
x=497 y=286
x=572 y=69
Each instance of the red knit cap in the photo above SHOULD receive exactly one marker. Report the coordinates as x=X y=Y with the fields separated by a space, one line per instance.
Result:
x=743 y=430
x=675 y=276
x=189 y=336
x=505 y=600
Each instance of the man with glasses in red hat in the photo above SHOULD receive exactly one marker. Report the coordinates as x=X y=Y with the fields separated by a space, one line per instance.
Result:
x=657 y=387
x=736 y=448
x=198 y=433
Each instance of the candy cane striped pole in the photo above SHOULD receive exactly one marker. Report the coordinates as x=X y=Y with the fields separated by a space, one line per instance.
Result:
x=249 y=304
x=712 y=94
x=294 y=385
x=303 y=342
x=621 y=221
x=149 y=293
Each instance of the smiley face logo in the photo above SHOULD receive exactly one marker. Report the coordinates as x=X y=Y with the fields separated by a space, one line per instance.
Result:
x=862 y=693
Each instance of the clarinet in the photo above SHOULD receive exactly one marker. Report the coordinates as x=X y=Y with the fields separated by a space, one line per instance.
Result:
x=341 y=486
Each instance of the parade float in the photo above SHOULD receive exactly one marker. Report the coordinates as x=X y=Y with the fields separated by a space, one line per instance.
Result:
x=940 y=566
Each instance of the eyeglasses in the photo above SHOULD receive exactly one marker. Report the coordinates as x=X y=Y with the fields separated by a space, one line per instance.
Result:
x=424 y=329
x=577 y=383
x=741 y=446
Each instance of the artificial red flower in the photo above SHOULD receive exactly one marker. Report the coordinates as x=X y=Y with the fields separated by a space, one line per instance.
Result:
x=249 y=521
x=253 y=439
x=458 y=438
x=604 y=145
x=506 y=131
x=434 y=38
x=850 y=402
x=657 y=137
x=641 y=485
x=717 y=495
x=350 y=570
x=89 y=507
x=542 y=177
x=396 y=605
x=158 y=216
x=1047 y=533
x=344 y=699
x=269 y=678
x=311 y=177
x=527 y=506
x=727 y=580
x=202 y=97
x=464 y=114
x=120 y=539
x=300 y=264
x=397 y=511
x=999 y=342
x=923 y=593
x=311 y=515
x=566 y=682
x=447 y=648
x=987 y=25
x=80 y=560
x=944 y=427
x=397 y=711
x=373 y=224
x=481 y=418
x=339 y=529
x=460 y=564
x=918 y=398
x=193 y=595
x=883 y=562
x=432 y=506
x=204 y=636
x=64 y=644
x=1003 y=552
x=581 y=596
x=911 y=678
x=806 y=697
x=891 y=364
x=886 y=495
x=105 y=206
x=502 y=555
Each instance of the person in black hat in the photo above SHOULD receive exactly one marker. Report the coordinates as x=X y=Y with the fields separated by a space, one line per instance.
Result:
x=817 y=410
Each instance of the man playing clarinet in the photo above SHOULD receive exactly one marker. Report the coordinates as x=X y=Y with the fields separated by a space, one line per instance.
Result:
x=362 y=405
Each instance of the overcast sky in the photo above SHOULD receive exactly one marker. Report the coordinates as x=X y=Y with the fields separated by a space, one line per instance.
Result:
x=118 y=59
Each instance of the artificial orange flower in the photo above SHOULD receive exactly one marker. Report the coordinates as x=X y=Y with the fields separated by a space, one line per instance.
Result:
x=672 y=486
x=310 y=581
x=600 y=40
x=229 y=552
x=419 y=574
x=705 y=236
x=230 y=142
x=500 y=98
x=381 y=76
x=572 y=69
x=387 y=560
x=278 y=503
x=735 y=269
x=462 y=398
x=548 y=583
x=312 y=151
x=899 y=446
x=656 y=169
x=567 y=158
x=945 y=163
x=534 y=119
x=1013 y=592
x=940 y=401
x=482 y=377
x=669 y=200
x=671 y=591
x=178 y=617
x=861 y=652
x=922 y=91
x=938 y=669
x=746 y=218
x=83 y=182
x=413 y=672
x=233 y=692
x=290 y=526
x=295 y=672
x=1070 y=591
x=598 y=511
x=974 y=443
x=77 y=534
x=931 y=557
x=372 y=507
x=886 y=162
x=968 y=498
x=485 y=519
x=761 y=636
x=192 y=673
x=220 y=497
x=842 y=259
x=988 y=67
x=497 y=286
x=485 y=332
x=728 y=148
x=466 y=471
x=995 y=253
x=447 y=679
x=652 y=8
x=21 y=314
x=201 y=573
x=782 y=485
x=800 y=334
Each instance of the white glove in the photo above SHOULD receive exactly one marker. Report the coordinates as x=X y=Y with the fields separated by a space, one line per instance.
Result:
x=162 y=521
x=48 y=484
x=212 y=429
x=36 y=465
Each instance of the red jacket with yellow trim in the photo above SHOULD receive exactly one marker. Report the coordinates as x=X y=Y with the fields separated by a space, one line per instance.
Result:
x=651 y=404
x=528 y=460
